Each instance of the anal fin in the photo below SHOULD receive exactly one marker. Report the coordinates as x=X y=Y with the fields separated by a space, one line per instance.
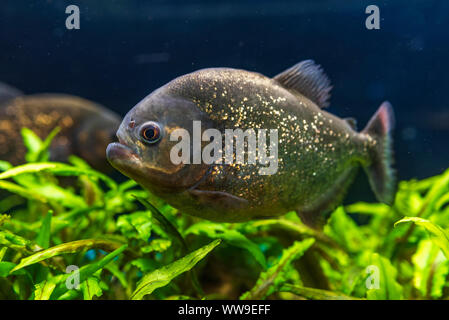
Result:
x=316 y=214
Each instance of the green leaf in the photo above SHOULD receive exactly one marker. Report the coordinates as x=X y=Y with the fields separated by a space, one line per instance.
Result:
x=408 y=200
x=9 y=202
x=2 y=252
x=232 y=237
x=21 y=191
x=344 y=231
x=431 y=269
x=136 y=225
x=84 y=273
x=422 y=261
x=63 y=220
x=438 y=189
x=13 y=241
x=37 y=149
x=78 y=162
x=163 y=276
x=127 y=185
x=43 y=237
x=55 y=193
x=388 y=287
x=437 y=234
x=5 y=268
x=91 y=288
x=180 y=297
x=3 y=219
x=158 y=245
x=444 y=200
x=44 y=289
x=5 y=165
x=272 y=280
x=33 y=144
x=315 y=294
x=49 y=139
x=57 y=169
x=439 y=278
x=376 y=209
x=145 y=264
x=69 y=247
x=69 y=295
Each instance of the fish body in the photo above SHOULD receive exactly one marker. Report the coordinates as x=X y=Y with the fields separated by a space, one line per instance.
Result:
x=86 y=127
x=318 y=154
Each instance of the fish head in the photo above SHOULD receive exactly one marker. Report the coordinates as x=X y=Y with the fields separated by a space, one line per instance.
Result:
x=143 y=152
x=96 y=132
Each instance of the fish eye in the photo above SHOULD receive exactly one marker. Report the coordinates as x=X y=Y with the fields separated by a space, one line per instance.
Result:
x=151 y=132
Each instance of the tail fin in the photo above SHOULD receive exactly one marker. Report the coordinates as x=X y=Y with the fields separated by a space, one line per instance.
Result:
x=381 y=174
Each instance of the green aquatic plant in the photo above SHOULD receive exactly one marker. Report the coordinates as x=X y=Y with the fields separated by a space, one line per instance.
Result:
x=70 y=232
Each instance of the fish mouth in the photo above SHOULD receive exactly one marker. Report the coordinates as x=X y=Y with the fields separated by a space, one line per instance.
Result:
x=120 y=155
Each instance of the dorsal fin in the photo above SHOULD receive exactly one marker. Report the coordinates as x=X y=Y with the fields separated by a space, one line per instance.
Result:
x=352 y=122
x=308 y=79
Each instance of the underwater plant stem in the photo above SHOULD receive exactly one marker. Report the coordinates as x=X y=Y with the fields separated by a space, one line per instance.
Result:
x=312 y=270
x=171 y=229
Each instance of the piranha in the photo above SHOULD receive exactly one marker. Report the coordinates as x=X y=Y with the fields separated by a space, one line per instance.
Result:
x=318 y=153
x=86 y=128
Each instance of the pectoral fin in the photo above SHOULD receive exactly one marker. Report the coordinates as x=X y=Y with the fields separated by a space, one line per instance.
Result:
x=218 y=199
